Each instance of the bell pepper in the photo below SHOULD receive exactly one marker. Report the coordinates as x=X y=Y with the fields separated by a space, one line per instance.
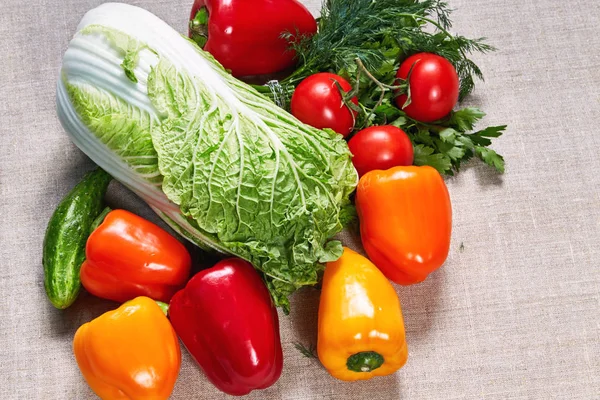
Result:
x=130 y=353
x=405 y=221
x=245 y=36
x=227 y=321
x=128 y=256
x=361 y=330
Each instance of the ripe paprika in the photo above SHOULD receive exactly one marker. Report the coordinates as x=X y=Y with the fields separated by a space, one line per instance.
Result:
x=131 y=353
x=405 y=221
x=246 y=36
x=128 y=256
x=227 y=321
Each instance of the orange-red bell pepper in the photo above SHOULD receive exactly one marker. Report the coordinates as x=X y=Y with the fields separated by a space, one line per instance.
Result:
x=405 y=221
x=131 y=353
x=128 y=256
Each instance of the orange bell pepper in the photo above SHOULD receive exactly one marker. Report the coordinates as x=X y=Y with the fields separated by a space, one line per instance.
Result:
x=361 y=330
x=130 y=353
x=405 y=221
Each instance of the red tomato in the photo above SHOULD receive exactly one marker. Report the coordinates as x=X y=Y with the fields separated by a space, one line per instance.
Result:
x=433 y=87
x=380 y=147
x=317 y=101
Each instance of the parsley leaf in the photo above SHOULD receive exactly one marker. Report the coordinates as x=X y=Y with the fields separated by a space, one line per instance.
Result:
x=448 y=135
x=464 y=120
x=490 y=157
x=491 y=132
x=448 y=143
x=424 y=155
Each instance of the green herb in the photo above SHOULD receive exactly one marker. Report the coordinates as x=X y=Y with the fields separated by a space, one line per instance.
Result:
x=449 y=143
x=365 y=41
x=308 y=352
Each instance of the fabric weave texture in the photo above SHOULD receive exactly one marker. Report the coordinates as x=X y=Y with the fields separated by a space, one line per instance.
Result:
x=513 y=314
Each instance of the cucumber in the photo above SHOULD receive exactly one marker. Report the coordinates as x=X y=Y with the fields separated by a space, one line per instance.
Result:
x=67 y=234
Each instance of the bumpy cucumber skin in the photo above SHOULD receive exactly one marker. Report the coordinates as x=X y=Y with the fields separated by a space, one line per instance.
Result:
x=67 y=234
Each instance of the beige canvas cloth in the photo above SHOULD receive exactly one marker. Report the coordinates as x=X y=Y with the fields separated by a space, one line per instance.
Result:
x=514 y=315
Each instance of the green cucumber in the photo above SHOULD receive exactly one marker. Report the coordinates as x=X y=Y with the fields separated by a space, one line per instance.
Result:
x=67 y=234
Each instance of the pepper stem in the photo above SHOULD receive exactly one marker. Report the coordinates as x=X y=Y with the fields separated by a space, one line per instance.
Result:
x=163 y=306
x=99 y=219
x=365 y=361
x=199 y=27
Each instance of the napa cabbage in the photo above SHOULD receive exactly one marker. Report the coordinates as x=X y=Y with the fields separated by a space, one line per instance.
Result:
x=220 y=163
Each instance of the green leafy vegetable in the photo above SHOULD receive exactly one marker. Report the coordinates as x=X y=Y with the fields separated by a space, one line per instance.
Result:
x=216 y=160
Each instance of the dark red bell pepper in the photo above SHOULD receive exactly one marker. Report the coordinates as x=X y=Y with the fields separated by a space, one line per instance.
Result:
x=245 y=36
x=227 y=321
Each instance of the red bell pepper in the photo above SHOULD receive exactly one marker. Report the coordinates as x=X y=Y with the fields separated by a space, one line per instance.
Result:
x=245 y=36
x=128 y=256
x=228 y=323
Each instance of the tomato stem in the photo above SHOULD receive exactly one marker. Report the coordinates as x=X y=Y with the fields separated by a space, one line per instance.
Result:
x=407 y=80
x=382 y=86
x=347 y=99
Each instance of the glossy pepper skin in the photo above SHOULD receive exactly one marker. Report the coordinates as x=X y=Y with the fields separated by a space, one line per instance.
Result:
x=405 y=221
x=227 y=321
x=128 y=256
x=245 y=36
x=131 y=353
x=361 y=330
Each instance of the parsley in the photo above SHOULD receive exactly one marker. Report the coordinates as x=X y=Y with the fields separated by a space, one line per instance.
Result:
x=447 y=144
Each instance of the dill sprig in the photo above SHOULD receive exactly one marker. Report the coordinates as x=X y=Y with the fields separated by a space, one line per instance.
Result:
x=308 y=352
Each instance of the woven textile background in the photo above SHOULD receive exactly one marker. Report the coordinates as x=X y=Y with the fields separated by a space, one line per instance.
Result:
x=515 y=314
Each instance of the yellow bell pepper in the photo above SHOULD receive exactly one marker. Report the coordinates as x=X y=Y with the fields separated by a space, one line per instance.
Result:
x=130 y=353
x=361 y=330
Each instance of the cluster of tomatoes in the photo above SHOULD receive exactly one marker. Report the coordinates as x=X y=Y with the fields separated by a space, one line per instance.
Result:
x=434 y=87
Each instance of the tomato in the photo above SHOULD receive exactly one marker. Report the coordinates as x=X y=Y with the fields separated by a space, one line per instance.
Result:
x=433 y=87
x=380 y=147
x=317 y=101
